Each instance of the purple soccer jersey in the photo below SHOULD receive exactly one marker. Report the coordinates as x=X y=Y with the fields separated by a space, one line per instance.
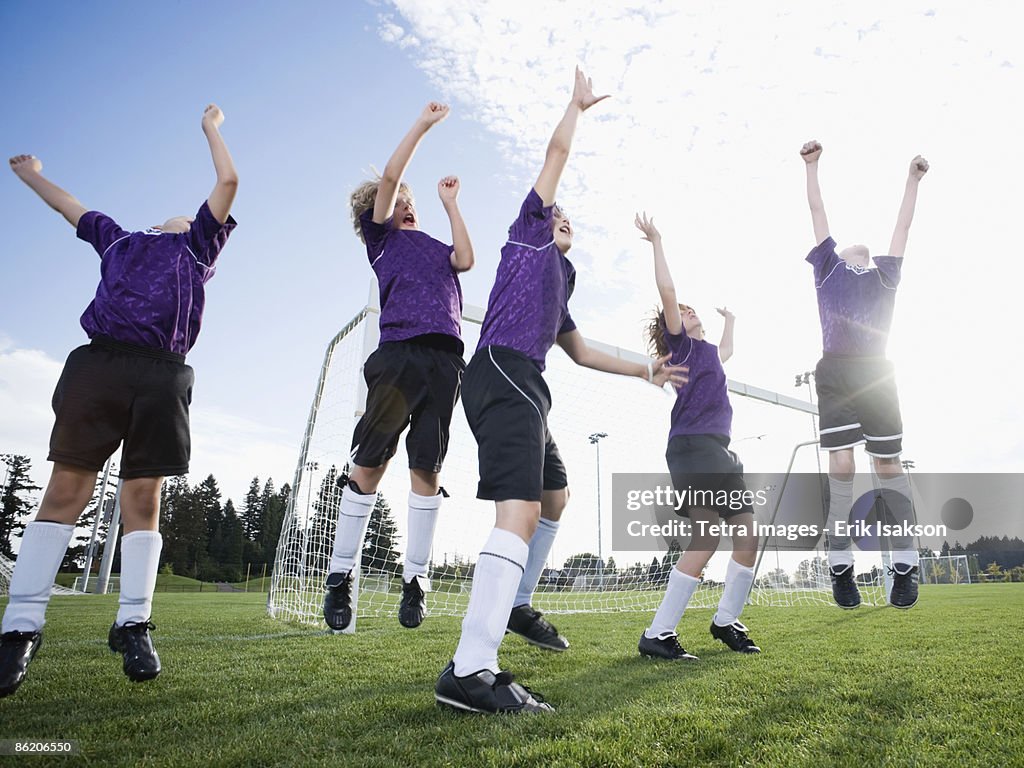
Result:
x=529 y=304
x=702 y=405
x=152 y=283
x=855 y=304
x=419 y=288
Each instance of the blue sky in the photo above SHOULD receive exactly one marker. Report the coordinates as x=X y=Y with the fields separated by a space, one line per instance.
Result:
x=710 y=105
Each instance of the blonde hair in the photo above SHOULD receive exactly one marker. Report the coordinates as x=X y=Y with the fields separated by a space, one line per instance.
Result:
x=364 y=197
x=655 y=331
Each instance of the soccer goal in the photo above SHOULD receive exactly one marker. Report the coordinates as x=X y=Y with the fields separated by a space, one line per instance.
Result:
x=945 y=569
x=585 y=573
x=7 y=570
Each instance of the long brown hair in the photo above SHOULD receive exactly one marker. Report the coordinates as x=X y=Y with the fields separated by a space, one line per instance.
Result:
x=655 y=332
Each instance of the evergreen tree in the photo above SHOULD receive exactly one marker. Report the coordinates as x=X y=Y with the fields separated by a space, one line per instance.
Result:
x=379 y=551
x=252 y=511
x=16 y=500
x=274 y=506
x=232 y=535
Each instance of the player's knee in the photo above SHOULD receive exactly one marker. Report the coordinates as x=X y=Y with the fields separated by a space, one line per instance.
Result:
x=841 y=465
x=887 y=466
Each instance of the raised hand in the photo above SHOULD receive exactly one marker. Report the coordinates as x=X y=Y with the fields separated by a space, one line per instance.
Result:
x=724 y=312
x=583 y=92
x=645 y=225
x=212 y=117
x=434 y=113
x=676 y=375
x=22 y=164
x=810 y=151
x=918 y=167
x=448 y=189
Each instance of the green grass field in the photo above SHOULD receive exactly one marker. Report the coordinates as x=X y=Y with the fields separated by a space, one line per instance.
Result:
x=942 y=685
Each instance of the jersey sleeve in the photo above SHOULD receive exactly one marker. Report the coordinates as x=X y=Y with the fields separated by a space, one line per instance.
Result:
x=99 y=230
x=824 y=259
x=533 y=225
x=679 y=344
x=374 y=235
x=568 y=325
x=889 y=270
x=207 y=237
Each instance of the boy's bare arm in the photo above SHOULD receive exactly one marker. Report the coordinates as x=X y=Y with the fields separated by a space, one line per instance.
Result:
x=29 y=168
x=387 y=189
x=462 y=247
x=898 y=244
x=224 y=190
x=725 y=346
x=662 y=276
x=810 y=152
x=557 y=154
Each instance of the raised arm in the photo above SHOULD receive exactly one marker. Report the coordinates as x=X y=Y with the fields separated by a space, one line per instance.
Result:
x=390 y=182
x=725 y=345
x=224 y=189
x=462 y=247
x=29 y=168
x=898 y=244
x=658 y=372
x=557 y=154
x=666 y=288
x=810 y=152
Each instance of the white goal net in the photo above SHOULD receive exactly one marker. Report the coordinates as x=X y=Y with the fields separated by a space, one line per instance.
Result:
x=585 y=572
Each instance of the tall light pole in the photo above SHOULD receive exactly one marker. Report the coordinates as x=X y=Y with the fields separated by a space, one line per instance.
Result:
x=908 y=465
x=595 y=440
x=801 y=379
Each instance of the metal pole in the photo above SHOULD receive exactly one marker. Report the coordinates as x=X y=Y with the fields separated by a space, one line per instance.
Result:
x=595 y=439
x=111 y=544
x=90 y=551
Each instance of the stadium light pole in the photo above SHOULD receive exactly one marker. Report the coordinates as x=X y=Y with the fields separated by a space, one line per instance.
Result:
x=595 y=440
x=908 y=464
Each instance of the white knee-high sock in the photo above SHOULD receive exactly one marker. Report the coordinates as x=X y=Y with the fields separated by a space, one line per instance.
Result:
x=840 y=499
x=738 y=579
x=353 y=517
x=140 y=559
x=42 y=548
x=540 y=548
x=899 y=499
x=681 y=587
x=498 y=572
x=422 y=521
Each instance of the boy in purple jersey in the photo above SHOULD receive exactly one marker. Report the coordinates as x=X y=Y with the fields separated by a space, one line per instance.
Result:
x=699 y=458
x=856 y=384
x=129 y=384
x=506 y=403
x=413 y=377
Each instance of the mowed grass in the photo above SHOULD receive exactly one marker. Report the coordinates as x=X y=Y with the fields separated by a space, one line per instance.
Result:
x=942 y=685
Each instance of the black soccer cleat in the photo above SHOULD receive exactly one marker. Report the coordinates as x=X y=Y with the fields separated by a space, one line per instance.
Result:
x=132 y=641
x=664 y=646
x=17 y=649
x=338 y=600
x=844 y=587
x=534 y=628
x=904 y=586
x=486 y=692
x=735 y=636
x=413 y=608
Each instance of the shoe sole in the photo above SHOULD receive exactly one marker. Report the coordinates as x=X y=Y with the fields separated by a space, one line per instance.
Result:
x=531 y=641
x=337 y=627
x=903 y=607
x=847 y=607
x=142 y=678
x=687 y=657
x=445 y=701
